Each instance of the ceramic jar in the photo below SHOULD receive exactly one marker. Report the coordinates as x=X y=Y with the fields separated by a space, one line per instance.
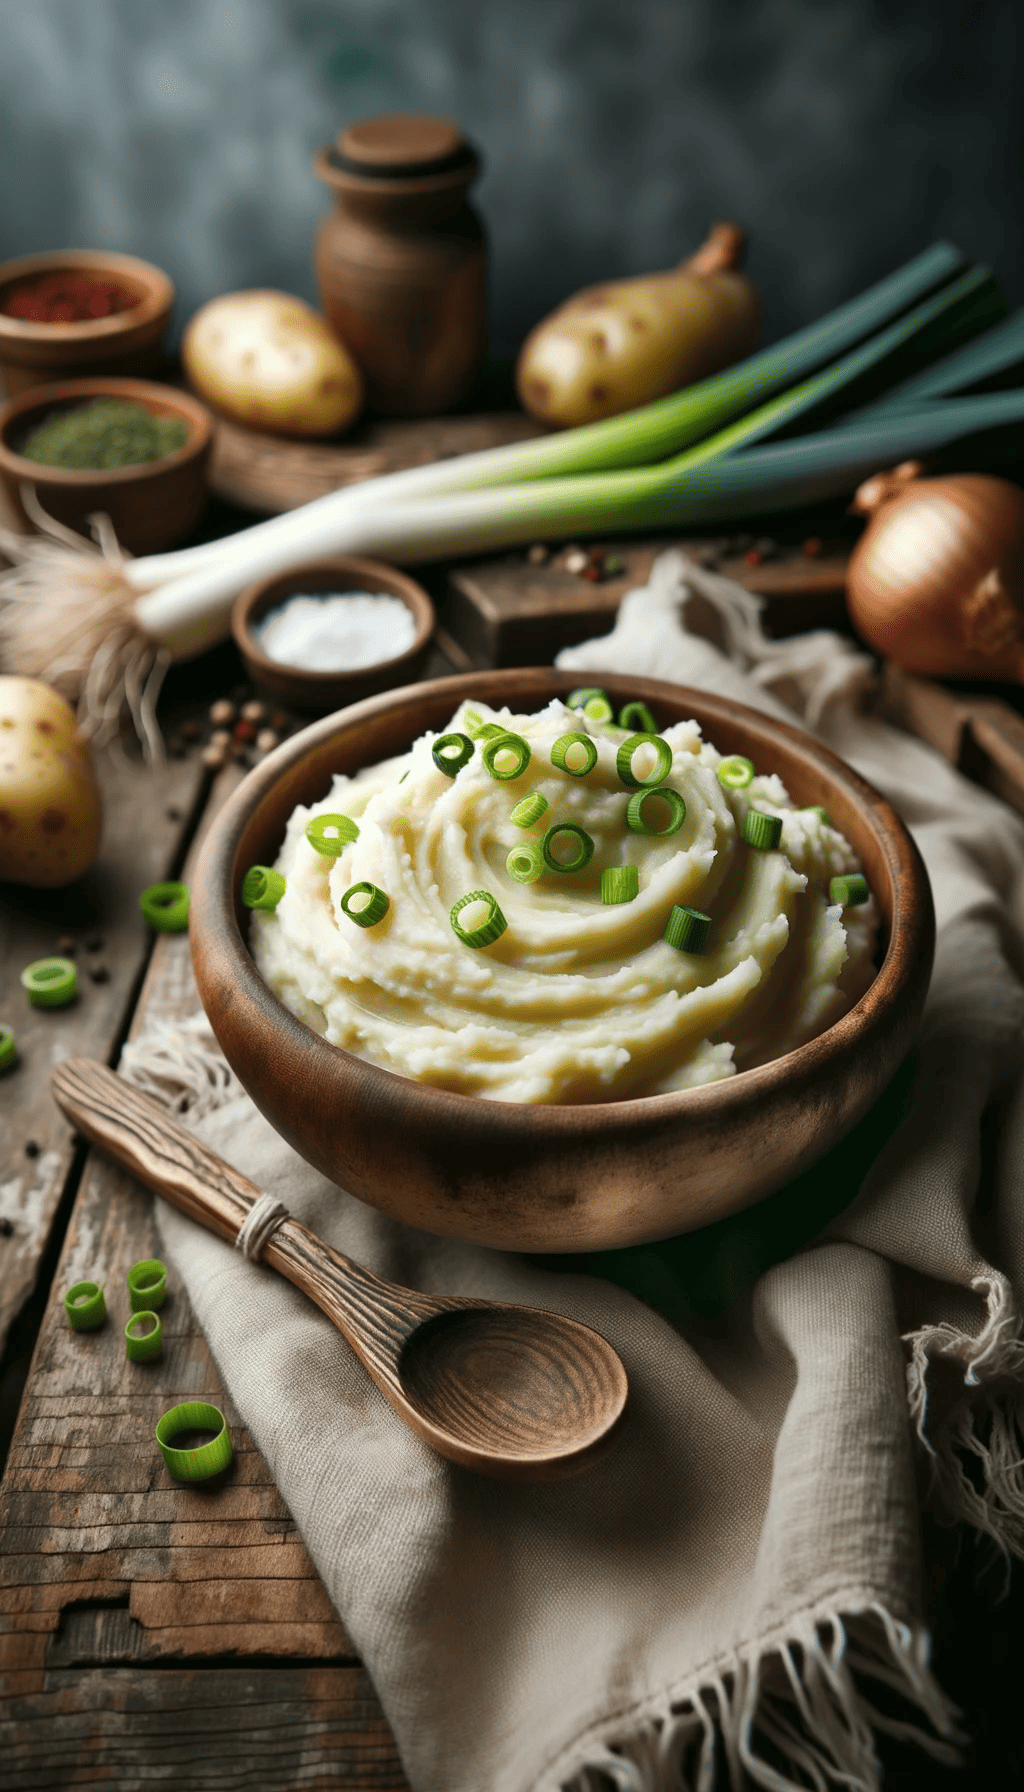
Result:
x=401 y=261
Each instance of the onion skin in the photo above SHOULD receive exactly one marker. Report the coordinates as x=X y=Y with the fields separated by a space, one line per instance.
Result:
x=936 y=582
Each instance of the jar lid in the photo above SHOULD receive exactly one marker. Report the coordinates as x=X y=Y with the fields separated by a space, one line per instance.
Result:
x=400 y=146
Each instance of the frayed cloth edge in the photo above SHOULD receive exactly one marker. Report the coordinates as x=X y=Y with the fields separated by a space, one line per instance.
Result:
x=799 y=1689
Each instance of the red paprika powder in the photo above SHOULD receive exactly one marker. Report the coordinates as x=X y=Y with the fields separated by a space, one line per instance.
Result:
x=66 y=296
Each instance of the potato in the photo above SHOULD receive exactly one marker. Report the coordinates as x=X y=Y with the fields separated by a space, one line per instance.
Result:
x=269 y=360
x=611 y=348
x=50 y=809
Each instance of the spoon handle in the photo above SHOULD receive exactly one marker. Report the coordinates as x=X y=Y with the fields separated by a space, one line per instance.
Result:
x=375 y=1316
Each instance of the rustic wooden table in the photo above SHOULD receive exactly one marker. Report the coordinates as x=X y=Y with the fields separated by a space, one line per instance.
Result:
x=152 y=1632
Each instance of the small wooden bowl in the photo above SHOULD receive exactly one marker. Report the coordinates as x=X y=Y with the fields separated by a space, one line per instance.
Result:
x=324 y=691
x=127 y=345
x=554 y=1178
x=151 y=506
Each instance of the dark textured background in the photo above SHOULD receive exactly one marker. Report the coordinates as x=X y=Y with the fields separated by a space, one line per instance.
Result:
x=846 y=134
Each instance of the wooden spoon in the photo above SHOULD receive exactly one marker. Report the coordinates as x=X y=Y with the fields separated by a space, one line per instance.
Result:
x=514 y=1392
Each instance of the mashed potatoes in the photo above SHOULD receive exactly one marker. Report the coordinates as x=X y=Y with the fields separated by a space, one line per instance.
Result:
x=578 y=998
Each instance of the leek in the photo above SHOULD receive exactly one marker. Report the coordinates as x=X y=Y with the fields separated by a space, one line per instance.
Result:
x=998 y=351
x=634 y=439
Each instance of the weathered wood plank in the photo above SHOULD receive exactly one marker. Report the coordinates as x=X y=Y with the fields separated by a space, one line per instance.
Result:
x=118 y=1730
x=145 y=812
x=89 y=1516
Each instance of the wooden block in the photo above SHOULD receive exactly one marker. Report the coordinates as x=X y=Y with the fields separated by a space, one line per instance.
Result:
x=505 y=611
x=981 y=735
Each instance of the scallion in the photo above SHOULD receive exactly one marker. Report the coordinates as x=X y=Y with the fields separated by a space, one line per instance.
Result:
x=262 y=887
x=371 y=910
x=586 y=694
x=637 y=716
x=687 y=929
x=850 y=890
x=662 y=761
x=506 y=756
x=451 y=752
x=529 y=810
x=583 y=855
x=638 y=822
x=762 y=831
x=330 y=834
x=620 y=883
x=574 y=744
x=525 y=863
x=489 y=930
x=735 y=773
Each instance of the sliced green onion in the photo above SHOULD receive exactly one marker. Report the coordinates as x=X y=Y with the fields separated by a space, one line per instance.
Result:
x=143 y=1347
x=637 y=715
x=598 y=709
x=529 y=810
x=206 y=1460
x=850 y=890
x=687 y=929
x=525 y=862
x=635 y=812
x=330 y=834
x=371 y=911
x=500 y=748
x=822 y=814
x=624 y=761
x=50 y=982
x=147 y=1285
x=586 y=694
x=735 y=773
x=565 y=744
x=451 y=752
x=262 y=887
x=762 y=831
x=8 y=1047
x=86 y=1306
x=583 y=856
x=620 y=883
x=165 y=907
x=488 y=731
x=489 y=930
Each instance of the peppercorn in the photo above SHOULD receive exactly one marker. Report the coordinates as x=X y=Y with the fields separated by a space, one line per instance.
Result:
x=613 y=563
x=190 y=730
x=94 y=942
x=67 y=296
x=172 y=813
x=6 y=1227
x=222 y=713
x=592 y=574
x=575 y=560
x=244 y=732
x=32 y=1148
x=66 y=946
x=266 y=740
x=99 y=973
x=215 y=756
x=176 y=746
x=537 y=554
x=812 y=547
x=279 y=720
x=752 y=557
x=254 y=711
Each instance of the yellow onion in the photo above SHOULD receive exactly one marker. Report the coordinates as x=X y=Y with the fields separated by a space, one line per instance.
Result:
x=936 y=581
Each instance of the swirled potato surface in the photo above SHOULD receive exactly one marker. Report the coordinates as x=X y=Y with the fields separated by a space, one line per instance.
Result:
x=577 y=1000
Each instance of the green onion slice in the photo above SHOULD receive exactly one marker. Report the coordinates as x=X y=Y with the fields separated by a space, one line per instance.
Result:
x=624 y=761
x=586 y=694
x=635 y=812
x=687 y=929
x=637 y=715
x=525 y=862
x=529 y=810
x=565 y=744
x=86 y=1306
x=762 y=831
x=489 y=930
x=451 y=752
x=142 y=1347
x=488 y=731
x=205 y=1460
x=504 y=747
x=736 y=772
x=822 y=814
x=599 y=709
x=50 y=982
x=262 y=887
x=330 y=834
x=147 y=1285
x=369 y=912
x=8 y=1047
x=165 y=907
x=620 y=883
x=850 y=890
x=583 y=856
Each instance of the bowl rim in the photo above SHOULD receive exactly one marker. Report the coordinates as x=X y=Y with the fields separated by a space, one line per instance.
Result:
x=157 y=297
x=260 y=596
x=60 y=392
x=911 y=928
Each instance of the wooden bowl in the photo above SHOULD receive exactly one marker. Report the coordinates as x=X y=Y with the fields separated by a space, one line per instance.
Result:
x=151 y=506
x=330 y=690
x=554 y=1178
x=128 y=345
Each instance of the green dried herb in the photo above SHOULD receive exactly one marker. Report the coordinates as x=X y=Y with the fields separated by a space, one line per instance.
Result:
x=106 y=432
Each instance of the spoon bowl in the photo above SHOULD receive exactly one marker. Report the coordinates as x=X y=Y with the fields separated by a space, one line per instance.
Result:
x=517 y=1393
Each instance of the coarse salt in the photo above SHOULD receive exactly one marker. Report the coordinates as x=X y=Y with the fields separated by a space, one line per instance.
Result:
x=337 y=631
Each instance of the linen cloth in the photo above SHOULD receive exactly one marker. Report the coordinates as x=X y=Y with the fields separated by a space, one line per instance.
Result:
x=733 y=1596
